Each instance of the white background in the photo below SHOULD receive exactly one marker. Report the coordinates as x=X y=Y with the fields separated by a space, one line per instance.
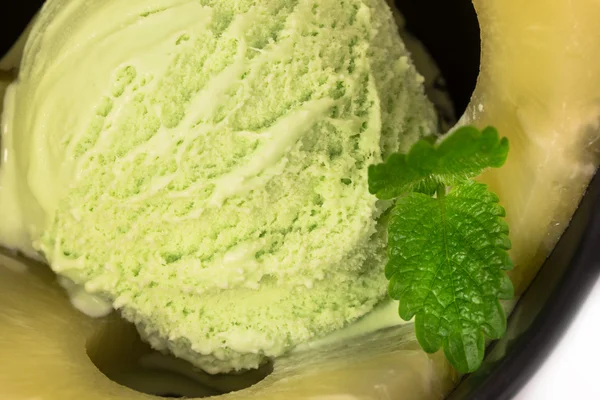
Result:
x=572 y=371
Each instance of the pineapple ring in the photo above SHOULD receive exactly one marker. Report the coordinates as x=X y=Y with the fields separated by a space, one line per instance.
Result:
x=538 y=85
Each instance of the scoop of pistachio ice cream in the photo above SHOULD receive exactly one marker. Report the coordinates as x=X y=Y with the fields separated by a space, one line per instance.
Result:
x=202 y=165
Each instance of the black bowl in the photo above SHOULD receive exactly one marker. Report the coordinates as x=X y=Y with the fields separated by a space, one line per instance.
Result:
x=546 y=309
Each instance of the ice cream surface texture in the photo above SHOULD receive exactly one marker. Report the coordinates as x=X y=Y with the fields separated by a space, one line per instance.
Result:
x=202 y=165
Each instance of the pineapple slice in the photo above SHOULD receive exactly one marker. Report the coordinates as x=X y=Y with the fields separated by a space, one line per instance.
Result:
x=539 y=84
x=47 y=347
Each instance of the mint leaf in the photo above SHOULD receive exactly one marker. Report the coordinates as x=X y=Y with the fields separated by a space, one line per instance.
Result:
x=448 y=254
x=464 y=154
x=447 y=263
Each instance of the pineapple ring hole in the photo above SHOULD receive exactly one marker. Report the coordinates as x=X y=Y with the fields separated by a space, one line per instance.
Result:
x=451 y=35
x=118 y=352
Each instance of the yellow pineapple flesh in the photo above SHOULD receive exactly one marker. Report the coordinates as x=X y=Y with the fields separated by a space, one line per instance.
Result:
x=540 y=86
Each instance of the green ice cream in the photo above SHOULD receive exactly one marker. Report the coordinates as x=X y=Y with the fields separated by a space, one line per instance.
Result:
x=202 y=165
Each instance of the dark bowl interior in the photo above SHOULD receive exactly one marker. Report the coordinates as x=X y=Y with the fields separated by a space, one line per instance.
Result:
x=451 y=34
x=15 y=17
